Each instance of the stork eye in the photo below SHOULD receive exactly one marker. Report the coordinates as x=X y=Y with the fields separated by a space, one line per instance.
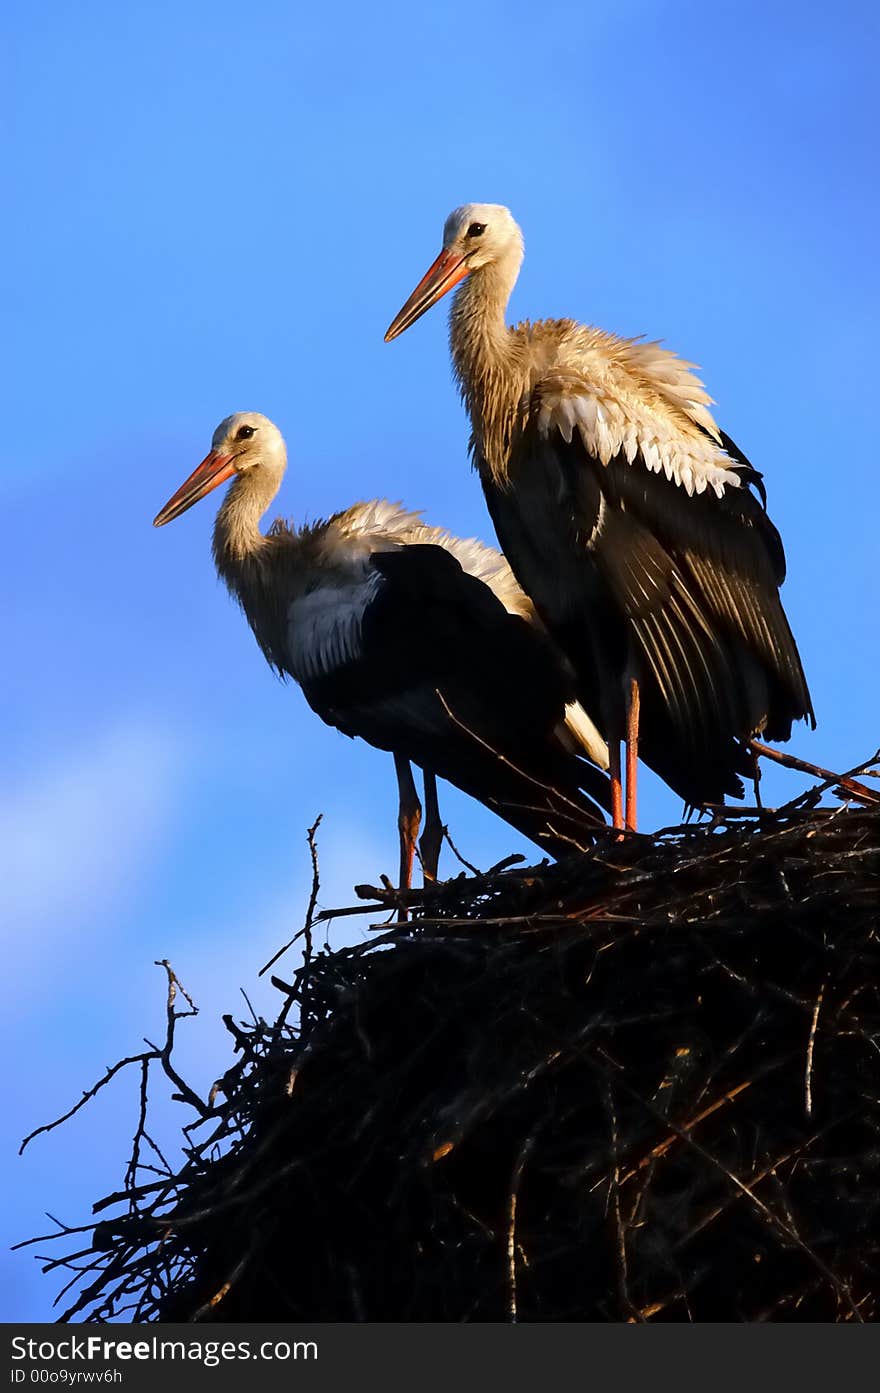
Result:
x=244 y=433
x=476 y=229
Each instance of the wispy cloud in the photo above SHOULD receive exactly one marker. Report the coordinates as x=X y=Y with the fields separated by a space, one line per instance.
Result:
x=76 y=833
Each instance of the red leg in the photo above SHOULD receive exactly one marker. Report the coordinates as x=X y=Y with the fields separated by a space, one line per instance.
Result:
x=632 y=752
x=409 y=818
x=432 y=837
x=616 y=789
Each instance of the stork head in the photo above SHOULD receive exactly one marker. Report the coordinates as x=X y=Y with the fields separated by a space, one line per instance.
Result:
x=244 y=443
x=475 y=237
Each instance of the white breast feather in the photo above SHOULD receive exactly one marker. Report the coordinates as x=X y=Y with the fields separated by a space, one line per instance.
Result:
x=380 y=525
x=324 y=626
x=626 y=397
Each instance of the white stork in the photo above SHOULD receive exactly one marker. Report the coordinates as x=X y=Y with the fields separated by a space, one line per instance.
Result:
x=419 y=642
x=633 y=522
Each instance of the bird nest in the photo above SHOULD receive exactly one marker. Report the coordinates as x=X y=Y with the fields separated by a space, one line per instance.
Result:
x=640 y=1085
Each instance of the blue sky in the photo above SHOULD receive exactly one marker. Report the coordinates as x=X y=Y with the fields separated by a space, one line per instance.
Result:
x=215 y=209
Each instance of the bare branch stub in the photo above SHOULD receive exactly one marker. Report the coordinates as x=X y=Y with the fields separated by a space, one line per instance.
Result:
x=184 y=1093
x=306 y=930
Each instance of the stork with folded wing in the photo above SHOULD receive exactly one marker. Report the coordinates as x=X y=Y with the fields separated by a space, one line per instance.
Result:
x=636 y=525
x=420 y=642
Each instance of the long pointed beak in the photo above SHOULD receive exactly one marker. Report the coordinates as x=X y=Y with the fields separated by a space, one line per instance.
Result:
x=214 y=469
x=447 y=271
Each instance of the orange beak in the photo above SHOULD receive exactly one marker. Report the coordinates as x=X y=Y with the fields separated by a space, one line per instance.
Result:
x=214 y=469
x=447 y=271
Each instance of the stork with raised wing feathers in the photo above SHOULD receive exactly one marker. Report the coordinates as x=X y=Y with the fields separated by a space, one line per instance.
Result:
x=636 y=525
x=421 y=643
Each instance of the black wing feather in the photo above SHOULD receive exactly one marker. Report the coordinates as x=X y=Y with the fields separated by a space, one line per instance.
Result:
x=626 y=568
x=447 y=677
x=732 y=562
